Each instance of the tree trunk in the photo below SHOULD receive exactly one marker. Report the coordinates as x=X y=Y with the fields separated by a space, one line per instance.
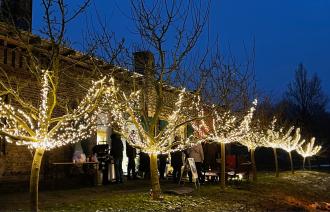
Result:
x=34 y=178
x=276 y=163
x=155 y=186
x=304 y=163
x=254 y=167
x=309 y=163
x=291 y=163
x=223 y=165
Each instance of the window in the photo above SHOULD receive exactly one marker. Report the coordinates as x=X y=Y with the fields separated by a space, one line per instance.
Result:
x=5 y=55
x=21 y=60
x=2 y=146
x=190 y=130
x=13 y=57
x=6 y=99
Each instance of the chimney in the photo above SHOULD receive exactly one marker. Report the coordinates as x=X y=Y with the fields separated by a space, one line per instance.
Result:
x=19 y=10
x=144 y=63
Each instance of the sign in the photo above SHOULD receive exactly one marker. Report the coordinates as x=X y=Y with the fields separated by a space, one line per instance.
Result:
x=193 y=169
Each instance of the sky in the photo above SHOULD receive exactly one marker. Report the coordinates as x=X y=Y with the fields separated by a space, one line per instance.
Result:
x=284 y=33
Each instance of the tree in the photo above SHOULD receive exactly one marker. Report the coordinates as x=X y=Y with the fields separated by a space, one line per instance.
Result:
x=279 y=138
x=274 y=140
x=228 y=83
x=170 y=30
x=225 y=128
x=306 y=97
x=51 y=121
x=252 y=139
x=153 y=141
x=309 y=150
x=38 y=128
x=290 y=144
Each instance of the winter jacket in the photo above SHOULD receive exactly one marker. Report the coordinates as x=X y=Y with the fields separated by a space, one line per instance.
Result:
x=117 y=147
x=130 y=151
x=196 y=152
x=176 y=159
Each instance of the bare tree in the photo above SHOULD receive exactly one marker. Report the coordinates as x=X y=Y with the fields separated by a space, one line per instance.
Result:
x=306 y=96
x=169 y=29
x=230 y=84
x=46 y=120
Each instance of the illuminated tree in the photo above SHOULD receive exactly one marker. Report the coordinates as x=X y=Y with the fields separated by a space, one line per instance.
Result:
x=170 y=30
x=42 y=116
x=41 y=129
x=308 y=150
x=225 y=128
x=274 y=140
x=149 y=140
x=252 y=139
x=290 y=144
x=278 y=138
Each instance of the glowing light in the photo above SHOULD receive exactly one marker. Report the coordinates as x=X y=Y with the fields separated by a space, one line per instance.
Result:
x=41 y=130
x=126 y=113
x=309 y=149
x=226 y=128
x=290 y=143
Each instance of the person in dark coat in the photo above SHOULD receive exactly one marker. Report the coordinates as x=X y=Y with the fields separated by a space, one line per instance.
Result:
x=162 y=160
x=212 y=153
x=176 y=162
x=144 y=167
x=117 y=149
x=131 y=154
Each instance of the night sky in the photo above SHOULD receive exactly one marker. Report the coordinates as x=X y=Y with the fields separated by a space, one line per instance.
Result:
x=285 y=33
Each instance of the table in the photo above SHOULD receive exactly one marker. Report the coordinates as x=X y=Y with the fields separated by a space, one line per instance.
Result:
x=69 y=166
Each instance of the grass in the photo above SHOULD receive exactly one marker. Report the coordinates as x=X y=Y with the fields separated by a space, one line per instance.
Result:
x=303 y=191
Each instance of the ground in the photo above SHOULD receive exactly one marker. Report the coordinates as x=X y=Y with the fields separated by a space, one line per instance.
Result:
x=303 y=191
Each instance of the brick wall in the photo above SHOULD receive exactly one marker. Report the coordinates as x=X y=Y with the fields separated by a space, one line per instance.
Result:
x=16 y=160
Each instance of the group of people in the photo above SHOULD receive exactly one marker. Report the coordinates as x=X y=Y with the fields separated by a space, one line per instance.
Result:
x=117 y=149
x=204 y=156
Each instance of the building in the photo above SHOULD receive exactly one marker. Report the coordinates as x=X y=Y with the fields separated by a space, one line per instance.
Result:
x=15 y=161
x=18 y=12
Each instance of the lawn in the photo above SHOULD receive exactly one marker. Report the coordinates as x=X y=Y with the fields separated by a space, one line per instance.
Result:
x=303 y=191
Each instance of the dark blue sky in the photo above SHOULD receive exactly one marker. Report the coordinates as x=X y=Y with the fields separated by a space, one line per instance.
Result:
x=285 y=33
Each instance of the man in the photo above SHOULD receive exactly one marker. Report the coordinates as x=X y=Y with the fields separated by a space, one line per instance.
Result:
x=117 y=149
x=131 y=154
x=176 y=161
x=162 y=160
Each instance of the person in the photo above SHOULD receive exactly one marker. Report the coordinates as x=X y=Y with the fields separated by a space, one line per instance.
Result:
x=211 y=154
x=117 y=149
x=78 y=155
x=197 y=153
x=162 y=160
x=176 y=161
x=131 y=154
x=144 y=167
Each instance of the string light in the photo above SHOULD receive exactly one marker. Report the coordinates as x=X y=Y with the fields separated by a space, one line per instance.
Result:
x=225 y=127
x=309 y=149
x=126 y=114
x=47 y=132
x=290 y=143
x=253 y=139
